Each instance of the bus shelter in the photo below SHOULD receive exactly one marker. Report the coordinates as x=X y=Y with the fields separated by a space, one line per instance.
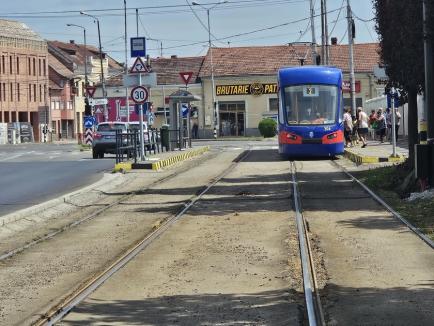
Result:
x=179 y=118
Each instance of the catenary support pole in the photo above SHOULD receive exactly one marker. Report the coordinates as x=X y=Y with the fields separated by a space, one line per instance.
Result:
x=127 y=104
x=351 y=63
x=326 y=35
x=312 y=27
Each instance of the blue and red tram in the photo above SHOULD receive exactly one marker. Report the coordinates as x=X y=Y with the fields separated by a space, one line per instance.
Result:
x=310 y=111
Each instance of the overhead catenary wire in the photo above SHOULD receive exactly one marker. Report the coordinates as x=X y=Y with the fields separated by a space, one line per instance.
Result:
x=102 y=10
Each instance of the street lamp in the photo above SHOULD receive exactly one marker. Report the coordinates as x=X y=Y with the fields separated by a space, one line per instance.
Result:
x=100 y=60
x=212 y=66
x=86 y=82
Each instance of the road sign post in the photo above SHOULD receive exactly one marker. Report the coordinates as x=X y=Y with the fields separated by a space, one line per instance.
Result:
x=140 y=94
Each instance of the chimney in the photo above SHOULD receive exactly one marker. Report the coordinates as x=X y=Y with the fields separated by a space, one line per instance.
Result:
x=71 y=41
x=334 y=40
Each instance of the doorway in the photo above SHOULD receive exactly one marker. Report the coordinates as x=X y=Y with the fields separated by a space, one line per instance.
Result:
x=232 y=118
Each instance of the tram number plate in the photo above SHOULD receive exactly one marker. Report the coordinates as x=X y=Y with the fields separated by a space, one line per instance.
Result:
x=310 y=91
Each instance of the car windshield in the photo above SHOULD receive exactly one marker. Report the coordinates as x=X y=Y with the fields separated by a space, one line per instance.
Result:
x=311 y=104
x=112 y=127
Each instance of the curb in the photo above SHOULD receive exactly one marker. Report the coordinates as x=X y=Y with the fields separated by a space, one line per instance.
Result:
x=155 y=166
x=177 y=158
x=362 y=159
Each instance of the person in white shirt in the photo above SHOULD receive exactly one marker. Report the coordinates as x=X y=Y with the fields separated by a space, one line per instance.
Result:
x=348 y=127
x=362 y=119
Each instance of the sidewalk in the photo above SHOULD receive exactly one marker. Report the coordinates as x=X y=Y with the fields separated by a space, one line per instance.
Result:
x=377 y=152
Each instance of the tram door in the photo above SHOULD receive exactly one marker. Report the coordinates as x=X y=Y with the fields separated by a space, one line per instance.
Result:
x=232 y=118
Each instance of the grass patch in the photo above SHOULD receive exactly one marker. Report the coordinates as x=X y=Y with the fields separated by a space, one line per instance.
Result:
x=393 y=184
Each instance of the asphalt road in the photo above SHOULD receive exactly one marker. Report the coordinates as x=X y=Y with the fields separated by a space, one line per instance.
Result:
x=33 y=173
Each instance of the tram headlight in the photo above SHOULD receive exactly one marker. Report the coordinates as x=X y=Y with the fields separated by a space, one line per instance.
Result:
x=333 y=138
x=289 y=138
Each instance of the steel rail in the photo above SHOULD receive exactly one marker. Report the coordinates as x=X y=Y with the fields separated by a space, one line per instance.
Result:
x=64 y=308
x=414 y=229
x=305 y=264
x=90 y=216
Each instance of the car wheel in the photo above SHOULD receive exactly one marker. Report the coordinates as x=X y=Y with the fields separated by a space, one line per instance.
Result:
x=95 y=154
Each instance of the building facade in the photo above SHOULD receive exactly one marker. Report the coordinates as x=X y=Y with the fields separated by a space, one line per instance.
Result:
x=23 y=76
x=245 y=83
x=76 y=57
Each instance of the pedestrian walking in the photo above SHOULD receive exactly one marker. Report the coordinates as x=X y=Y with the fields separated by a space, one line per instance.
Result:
x=381 y=125
x=372 y=123
x=348 y=127
x=363 y=125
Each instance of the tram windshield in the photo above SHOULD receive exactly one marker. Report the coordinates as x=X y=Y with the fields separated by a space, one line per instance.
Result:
x=311 y=104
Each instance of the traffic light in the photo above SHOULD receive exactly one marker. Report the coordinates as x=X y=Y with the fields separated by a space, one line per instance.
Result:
x=87 y=108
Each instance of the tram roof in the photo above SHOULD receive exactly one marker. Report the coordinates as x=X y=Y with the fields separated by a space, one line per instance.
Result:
x=310 y=75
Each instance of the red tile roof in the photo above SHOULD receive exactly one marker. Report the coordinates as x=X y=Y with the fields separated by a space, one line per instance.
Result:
x=59 y=67
x=77 y=53
x=266 y=60
x=256 y=60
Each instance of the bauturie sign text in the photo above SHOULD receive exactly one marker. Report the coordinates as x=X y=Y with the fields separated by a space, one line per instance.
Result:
x=246 y=89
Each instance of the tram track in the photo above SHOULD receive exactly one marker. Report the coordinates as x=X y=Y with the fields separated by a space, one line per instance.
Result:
x=320 y=200
x=314 y=309
x=122 y=197
x=61 y=309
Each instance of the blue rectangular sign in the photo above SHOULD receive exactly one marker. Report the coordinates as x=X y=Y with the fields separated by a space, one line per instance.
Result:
x=138 y=47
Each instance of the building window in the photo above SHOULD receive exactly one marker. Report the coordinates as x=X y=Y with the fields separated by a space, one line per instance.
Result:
x=30 y=92
x=45 y=71
x=45 y=92
x=40 y=93
x=18 y=92
x=34 y=92
x=39 y=66
x=18 y=65
x=4 y=91
x=10 y=65
x=34 y=66
x=273 y=104
x=12 y=92
x=1 y=88
x=30 y=67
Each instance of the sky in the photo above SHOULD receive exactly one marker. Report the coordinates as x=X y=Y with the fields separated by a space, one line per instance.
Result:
x=176 y=27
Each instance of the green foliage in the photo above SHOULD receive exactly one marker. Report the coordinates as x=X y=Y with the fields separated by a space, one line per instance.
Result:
x=268 y=127
x=400 y=29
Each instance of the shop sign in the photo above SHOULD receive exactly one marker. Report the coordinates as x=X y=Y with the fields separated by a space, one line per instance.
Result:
x=346 y=86
x=246 y=89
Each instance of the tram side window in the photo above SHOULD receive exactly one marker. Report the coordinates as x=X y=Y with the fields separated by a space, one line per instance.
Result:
x=311 y=104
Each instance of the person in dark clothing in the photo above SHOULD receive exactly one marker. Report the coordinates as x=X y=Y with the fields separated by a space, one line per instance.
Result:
x=194 y=131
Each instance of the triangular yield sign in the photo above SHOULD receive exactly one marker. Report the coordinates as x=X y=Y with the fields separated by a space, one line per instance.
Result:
x=139 y=66
x=186 y=76
x=90 y=90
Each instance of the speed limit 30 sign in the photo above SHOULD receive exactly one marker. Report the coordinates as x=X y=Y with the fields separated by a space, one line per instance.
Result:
x=139 y=94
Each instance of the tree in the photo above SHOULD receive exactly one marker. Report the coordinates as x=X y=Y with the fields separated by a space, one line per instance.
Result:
x=399 y=24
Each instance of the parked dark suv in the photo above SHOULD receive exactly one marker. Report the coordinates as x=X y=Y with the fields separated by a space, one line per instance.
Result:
x=104 y=139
